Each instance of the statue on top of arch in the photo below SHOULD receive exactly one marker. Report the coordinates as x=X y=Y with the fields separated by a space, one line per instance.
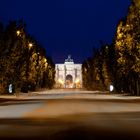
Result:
x=69 y=59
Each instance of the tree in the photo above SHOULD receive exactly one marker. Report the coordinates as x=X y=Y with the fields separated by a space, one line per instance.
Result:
x=96 y=70
x=127 y=46
x=23 y=61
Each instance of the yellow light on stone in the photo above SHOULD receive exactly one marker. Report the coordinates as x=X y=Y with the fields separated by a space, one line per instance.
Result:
x=60 y=81
x=77 y=81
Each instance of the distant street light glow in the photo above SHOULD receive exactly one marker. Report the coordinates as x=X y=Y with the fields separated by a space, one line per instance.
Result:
x=45 y=60
x=18 y=32
x=30 y=45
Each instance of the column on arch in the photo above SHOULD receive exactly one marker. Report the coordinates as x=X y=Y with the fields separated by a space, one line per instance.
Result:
x=74 y=77
x=81 y=79
x=64 y=76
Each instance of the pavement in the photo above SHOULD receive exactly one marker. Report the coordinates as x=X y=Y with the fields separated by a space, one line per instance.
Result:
x=69 y=114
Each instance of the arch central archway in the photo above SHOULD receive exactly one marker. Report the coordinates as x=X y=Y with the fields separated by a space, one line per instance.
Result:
x=69 y=81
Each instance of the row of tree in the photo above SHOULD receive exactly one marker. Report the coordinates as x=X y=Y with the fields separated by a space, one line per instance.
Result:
x=23 y=61
x=118 y=63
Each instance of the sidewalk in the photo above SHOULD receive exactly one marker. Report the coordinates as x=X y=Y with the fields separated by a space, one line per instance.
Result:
x=70 y=93
x=18 y=95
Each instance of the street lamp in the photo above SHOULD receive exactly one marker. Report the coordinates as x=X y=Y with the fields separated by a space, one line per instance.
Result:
x=30 y=45
x=18 y=32
x=37 y=66
x=45 y=60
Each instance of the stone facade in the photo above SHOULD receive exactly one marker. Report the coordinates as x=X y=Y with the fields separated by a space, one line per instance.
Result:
x=69 y=74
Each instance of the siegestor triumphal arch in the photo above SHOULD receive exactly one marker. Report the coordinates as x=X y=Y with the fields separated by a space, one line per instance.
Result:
x=68 y=75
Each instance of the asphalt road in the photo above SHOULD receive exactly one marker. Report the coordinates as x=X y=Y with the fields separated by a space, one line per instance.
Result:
x=70 y=115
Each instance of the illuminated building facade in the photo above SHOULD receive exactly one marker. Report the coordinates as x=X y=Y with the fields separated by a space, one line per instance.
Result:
x=69 y=74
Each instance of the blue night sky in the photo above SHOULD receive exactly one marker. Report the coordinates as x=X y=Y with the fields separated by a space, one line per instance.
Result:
x=67 y=26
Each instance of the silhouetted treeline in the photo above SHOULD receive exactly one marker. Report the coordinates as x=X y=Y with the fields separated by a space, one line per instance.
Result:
x=118 y=63
x=23 y=61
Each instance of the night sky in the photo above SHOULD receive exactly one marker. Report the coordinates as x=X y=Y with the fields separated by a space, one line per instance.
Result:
x=67 y=26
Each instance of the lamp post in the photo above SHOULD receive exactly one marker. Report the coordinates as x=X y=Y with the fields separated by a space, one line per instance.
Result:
x=18 y=32
x=30 y=45
x=37 y=68
x=27 y=50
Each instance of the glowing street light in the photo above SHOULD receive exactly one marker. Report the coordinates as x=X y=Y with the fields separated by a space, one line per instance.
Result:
x=45 y=60
x=18 y=32
x=30 y=45
x=106 y=47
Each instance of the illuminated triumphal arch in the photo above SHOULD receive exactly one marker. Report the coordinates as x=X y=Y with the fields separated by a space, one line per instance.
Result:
x=69 y=74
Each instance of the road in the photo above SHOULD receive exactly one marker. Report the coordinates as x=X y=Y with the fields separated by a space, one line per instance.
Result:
x=70 y=114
